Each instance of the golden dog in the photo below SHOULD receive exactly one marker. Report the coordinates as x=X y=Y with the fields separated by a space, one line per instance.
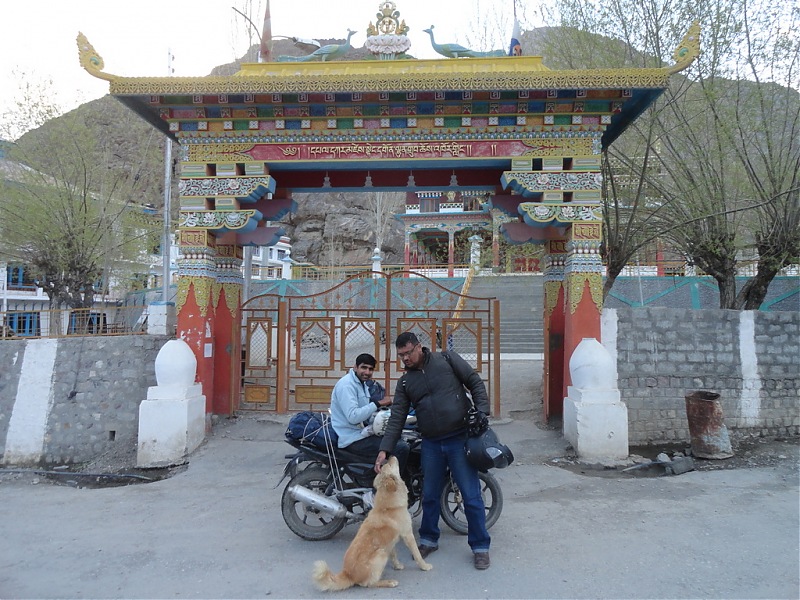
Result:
x=387 y=522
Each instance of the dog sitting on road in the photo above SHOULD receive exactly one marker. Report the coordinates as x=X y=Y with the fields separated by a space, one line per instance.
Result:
x=388 y=522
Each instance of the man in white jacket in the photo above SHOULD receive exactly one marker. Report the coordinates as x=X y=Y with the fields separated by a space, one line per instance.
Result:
x=352 y=409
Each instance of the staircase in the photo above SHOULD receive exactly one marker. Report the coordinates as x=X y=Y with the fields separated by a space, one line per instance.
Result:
x=521 y=308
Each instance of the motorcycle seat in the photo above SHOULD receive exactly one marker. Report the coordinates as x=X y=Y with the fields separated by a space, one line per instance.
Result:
x=342 y=454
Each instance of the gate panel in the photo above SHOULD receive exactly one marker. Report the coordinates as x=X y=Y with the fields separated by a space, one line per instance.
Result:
x=321 y=335
x=466 y=335
x=258 y=365
x=358 y=336
x=314 y=340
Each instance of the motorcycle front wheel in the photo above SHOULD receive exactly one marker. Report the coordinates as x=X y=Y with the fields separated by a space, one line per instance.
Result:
x=451 y=504
x=309 y=523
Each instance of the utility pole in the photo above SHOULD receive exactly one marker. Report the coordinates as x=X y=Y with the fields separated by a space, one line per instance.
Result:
x=4 y=281
x=166 y=242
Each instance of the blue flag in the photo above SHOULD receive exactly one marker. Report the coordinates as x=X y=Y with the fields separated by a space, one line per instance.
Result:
x=515 y=48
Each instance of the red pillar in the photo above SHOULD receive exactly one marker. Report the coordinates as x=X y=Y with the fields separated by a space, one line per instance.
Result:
x=227 y=337
x=584 y=289
x=554 y=328
x=195 y=314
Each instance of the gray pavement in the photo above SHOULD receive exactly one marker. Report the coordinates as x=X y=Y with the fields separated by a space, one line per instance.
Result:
x=215 y=529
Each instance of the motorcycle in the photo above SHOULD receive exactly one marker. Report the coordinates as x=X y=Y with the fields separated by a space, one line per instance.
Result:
x=331 y=488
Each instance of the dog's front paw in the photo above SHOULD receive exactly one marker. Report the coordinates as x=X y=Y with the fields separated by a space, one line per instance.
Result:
x=398 y=566
x=426 y=566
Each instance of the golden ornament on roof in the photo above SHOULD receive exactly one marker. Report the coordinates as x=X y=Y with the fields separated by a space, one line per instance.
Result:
x=387 y=22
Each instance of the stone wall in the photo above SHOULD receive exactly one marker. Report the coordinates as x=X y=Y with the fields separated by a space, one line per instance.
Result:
x=71 y=400
x=66 y=401
x=751 y=358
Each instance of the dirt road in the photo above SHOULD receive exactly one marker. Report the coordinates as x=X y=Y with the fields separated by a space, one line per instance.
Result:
x=214 y=530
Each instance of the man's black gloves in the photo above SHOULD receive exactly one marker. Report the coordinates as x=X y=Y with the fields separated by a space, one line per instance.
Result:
x=477 y=422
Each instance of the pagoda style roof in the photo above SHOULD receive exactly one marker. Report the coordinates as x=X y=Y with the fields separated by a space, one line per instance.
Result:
x=255 y=84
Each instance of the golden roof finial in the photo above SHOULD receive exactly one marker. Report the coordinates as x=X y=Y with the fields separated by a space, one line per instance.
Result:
x=687 y=50
x=387 y=22
x=90 y=59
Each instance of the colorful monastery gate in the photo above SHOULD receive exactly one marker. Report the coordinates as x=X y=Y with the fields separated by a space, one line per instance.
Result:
x=506 y=126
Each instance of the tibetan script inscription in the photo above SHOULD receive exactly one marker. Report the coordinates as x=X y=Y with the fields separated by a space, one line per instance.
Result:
x=196 y=238
x=230 y=251
x=415 y=150
x=586 y=231
x=392 y=150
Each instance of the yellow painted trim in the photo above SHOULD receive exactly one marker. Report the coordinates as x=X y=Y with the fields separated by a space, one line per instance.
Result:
x=575 y=285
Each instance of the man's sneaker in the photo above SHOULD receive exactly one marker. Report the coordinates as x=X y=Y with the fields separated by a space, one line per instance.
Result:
x=424 y=550
x=481 y=560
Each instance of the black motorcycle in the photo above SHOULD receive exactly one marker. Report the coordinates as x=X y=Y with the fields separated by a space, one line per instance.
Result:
x=331 y=488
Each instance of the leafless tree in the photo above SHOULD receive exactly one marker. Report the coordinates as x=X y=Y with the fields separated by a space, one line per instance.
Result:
x=716 y=158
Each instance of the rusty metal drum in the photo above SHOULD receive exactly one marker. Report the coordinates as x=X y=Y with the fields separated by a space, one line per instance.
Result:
x=706 y=426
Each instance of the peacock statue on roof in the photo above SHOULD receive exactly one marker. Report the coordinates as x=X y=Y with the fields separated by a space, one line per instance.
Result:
x=459 y=51
x=324 y=54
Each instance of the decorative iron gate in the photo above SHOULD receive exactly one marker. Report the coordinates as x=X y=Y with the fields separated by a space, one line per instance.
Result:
x=295 y=348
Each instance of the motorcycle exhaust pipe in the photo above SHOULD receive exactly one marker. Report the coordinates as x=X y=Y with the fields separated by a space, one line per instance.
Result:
x=319 y=502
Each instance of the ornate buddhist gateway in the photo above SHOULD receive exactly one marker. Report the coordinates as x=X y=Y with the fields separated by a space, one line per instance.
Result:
x=528 y=138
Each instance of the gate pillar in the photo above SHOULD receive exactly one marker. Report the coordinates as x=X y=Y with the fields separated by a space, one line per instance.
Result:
x=197 y=273
x=555 y=258
x=583 y=276
x=227 y=340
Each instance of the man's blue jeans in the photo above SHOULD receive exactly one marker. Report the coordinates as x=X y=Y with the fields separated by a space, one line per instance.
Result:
x=436 y=457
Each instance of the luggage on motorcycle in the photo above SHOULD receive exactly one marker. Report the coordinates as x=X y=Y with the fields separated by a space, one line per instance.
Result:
x=308 y=426
x=376 y=391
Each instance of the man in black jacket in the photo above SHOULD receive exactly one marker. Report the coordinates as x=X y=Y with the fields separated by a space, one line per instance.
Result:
x=433 y=385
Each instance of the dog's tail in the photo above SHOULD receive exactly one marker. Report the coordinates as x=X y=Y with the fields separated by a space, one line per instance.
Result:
x=326 y=580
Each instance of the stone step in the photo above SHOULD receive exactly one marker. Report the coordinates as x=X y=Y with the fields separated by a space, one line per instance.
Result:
x=521 y=310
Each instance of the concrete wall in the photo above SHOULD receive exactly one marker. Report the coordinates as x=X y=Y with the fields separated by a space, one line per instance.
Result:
x=751 y=358
x=70 y=400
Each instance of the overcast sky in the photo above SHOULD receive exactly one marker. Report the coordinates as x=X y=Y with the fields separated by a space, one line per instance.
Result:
x=133 y=38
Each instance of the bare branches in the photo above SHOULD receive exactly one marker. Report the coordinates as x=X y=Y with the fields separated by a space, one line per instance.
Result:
x=714 y=166
x=74 y=216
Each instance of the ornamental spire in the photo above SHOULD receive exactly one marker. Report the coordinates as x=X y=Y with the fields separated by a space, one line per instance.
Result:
x=387 y=39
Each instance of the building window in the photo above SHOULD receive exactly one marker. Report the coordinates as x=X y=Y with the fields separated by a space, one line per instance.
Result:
x=82 y=322
x=428 y=205
x=24 y=324
x=281 y=254
x=19 y=278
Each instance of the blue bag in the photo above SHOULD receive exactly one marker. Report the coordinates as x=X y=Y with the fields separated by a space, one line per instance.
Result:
x=307 y=426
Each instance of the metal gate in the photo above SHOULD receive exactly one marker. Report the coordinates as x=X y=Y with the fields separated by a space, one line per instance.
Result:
x=295 y=348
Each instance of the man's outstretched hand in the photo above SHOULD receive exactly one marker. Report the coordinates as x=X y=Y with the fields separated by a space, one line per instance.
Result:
x=380 y=461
